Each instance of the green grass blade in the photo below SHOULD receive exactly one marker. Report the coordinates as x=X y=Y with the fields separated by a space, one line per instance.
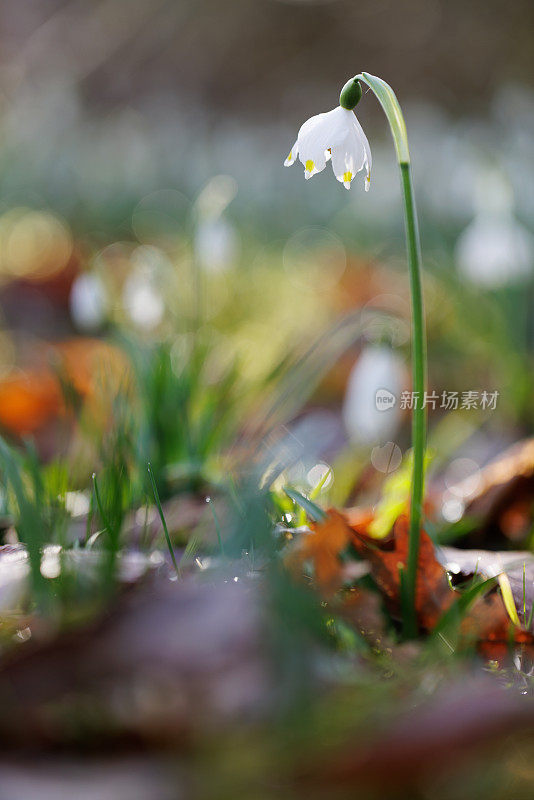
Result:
x=217 y=526
x=313 y=511
x=458 y=609
x=162 y=518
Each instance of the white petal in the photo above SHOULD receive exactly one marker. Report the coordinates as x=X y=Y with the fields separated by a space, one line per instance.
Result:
x=293 y=153
x=348 y=159
x=316 y=138
x=367 y=149
x=314 y=161
x=322 y=125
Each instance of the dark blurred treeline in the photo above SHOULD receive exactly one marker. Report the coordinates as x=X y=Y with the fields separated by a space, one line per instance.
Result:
x=264 y=57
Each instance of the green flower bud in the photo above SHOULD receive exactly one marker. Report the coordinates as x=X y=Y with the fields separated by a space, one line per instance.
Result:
x=351 y=94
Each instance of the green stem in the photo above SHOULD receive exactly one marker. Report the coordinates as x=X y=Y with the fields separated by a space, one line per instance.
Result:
x=392 y=110
x=418 y=384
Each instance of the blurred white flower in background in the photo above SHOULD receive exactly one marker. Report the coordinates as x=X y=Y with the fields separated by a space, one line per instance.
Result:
x=14 y=569
x=142 y=302
x=216 y=245
x=335 y=135
x=216 y=242
x=142 y=296
x=495 y=249
x=378 y=369
x=493 y=252
x=216 y=196
x=88 y=302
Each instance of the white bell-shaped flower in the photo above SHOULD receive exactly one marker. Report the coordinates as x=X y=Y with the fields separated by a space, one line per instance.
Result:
x=335 y=135
x=495 y=249
x=377 y=376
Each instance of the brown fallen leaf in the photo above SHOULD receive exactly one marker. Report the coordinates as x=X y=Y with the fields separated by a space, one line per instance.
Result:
x=32 y=399
x=487 y=622
x=503 y=498
x=385 y=556
x=322 y=547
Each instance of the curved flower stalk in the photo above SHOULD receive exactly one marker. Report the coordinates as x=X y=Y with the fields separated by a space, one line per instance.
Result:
x=338 y=135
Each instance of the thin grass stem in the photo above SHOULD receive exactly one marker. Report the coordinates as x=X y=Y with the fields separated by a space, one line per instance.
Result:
x=99 y=505
x=217 y=526
x=162 y=518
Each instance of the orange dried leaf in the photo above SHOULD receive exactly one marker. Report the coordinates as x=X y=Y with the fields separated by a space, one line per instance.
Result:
x=28 y=401
x=322 y=547
x=433 y=594
x=32 y=399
